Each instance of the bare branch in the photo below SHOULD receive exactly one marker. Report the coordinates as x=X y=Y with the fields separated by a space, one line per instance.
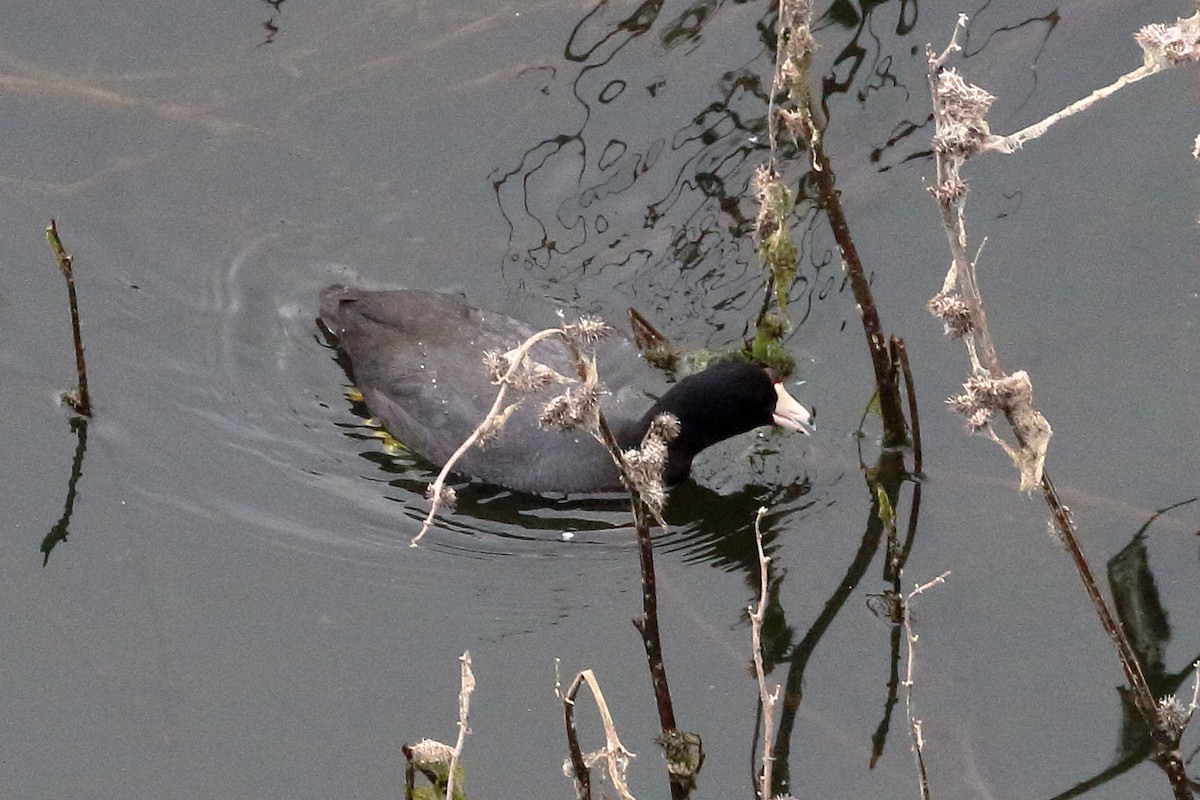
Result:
x=466 y=689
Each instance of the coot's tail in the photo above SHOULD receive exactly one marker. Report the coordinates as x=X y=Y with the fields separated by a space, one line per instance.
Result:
x=333 y=299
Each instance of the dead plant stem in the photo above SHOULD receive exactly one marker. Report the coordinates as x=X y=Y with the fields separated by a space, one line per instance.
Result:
x=79 y=400
x=767 y=698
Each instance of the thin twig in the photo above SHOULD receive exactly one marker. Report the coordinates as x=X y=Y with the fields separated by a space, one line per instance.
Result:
x=900 y=356
x=583 y=775
x=914 y=724
x=767 y=698
x=466 y=689
x=437 y=489
x=1015 y=141
x=61 y=529
x=80 y=399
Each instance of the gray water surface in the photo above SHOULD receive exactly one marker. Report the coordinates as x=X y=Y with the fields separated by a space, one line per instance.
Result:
x=236 y=611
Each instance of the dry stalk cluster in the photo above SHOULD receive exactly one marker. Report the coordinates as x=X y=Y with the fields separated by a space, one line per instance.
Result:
x=613 y=754
x=960 y=110
x=962 y=131
x=577 y=407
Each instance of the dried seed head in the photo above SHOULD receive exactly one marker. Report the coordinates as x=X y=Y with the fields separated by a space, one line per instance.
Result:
x=665 y=427
x=497 y=364
x=999 y=394
x=962 y=404
x=533 y=377
x=979 y=419
x=1012 y=395
x=964 y=101
x=1167 y=45
x=954 y=313
x=578 y=407
x=1171 y=716
x=428 y=752
x=642 y=468
x=528 y=378
x=951 y=190
x=588 y=329
x=962 y=127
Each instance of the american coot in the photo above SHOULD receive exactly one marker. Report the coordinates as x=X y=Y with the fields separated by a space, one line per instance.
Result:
x=417 y=357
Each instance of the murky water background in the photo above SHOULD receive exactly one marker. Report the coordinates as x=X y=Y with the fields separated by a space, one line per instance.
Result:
x=236 y=611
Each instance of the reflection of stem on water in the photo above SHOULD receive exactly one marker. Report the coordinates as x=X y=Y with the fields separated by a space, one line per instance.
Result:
x=1144 y=619
x=58 y=533
x=888 y=358
x=793 y=693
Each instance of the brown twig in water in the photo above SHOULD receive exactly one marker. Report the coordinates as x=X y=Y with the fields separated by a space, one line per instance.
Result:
x=61 y=529
x=79 y=398
x=899 y=355
x=579 y=767
x=410 y=773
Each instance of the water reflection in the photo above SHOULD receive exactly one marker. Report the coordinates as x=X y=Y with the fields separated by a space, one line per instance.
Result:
x=1143 y=617
x=704 y=524
x=609 y=198
x=60 y=530
x=607 y=202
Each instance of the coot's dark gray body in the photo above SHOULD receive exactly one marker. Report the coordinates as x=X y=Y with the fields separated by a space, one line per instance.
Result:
x=417 y=357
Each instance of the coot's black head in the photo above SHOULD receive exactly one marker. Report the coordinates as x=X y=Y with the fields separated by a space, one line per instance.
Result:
x=728 y=398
